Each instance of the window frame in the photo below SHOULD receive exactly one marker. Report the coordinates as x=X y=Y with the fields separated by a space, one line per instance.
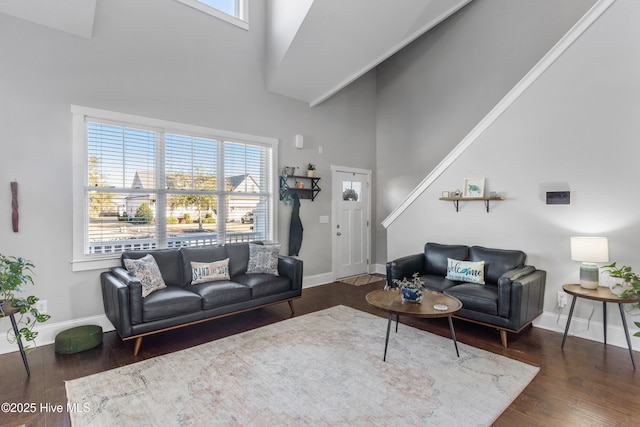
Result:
x=241 y=20
x=81 y=261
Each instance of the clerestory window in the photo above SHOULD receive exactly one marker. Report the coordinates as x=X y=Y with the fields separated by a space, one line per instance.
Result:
x=150 y=184
x=232 y=11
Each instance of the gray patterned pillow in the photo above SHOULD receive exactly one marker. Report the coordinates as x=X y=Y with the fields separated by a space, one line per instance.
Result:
x=147 y=271
x=263 y=259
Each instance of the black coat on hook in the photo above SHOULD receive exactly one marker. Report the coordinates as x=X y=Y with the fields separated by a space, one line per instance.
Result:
x=295 y=228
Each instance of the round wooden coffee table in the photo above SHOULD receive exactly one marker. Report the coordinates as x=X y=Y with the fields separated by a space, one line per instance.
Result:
x=391 y=302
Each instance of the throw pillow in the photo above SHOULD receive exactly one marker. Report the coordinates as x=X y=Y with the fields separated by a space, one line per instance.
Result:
x=263 y=259
x=147 y=271
x=467 y=271
x=209 y=271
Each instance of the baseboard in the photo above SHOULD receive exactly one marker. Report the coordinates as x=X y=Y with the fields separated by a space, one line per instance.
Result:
x=317 y=280
x=47 y=331
x=378 y=269
x=586 y=329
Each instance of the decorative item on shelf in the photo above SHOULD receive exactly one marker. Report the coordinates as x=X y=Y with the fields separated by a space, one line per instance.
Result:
x=445 y=194
x=457 y=193
x=299 y=184
x=311 y=168
x=14 y=273
x=289 y=170
x=473 y=187
x=589 y=250
x=410 y=290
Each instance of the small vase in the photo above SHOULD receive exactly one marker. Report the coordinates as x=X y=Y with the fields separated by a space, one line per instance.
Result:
x=412 y=295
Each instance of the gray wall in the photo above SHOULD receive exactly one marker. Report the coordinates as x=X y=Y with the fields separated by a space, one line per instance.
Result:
x=161 y=59
x=576 y=127
x=432 y=93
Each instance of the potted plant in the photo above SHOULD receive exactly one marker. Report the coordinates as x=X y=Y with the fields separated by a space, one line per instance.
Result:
x=311 y=169
x=411 y=290
x=626 y=284
x=14 y=273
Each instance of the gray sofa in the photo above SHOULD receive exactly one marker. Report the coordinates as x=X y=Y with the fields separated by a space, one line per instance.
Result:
x=511 y=298
x=181 y=303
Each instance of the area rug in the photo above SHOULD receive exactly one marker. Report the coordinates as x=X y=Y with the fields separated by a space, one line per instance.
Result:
x=320 y=369
x=361 y=279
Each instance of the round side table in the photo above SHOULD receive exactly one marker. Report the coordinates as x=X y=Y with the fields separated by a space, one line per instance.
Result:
x=604 y=295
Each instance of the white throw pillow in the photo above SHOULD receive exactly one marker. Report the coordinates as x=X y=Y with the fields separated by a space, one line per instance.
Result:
x=147 y=271
x=466 y=271
x=263 y=259
x=209 y=271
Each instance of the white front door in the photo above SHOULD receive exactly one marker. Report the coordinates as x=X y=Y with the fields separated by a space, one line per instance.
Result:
x=351 y=201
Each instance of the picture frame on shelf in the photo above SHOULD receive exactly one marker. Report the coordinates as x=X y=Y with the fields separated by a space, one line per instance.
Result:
x=445 y=194
x=473 y=187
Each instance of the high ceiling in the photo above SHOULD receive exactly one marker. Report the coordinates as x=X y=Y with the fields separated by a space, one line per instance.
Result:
x=314 y=47
x=317 y=47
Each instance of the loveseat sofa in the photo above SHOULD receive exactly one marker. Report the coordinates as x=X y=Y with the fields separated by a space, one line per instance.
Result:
x=186 y=301
x=510 y=298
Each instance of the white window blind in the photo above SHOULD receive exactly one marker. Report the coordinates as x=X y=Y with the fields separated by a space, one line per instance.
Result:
x=152 y=187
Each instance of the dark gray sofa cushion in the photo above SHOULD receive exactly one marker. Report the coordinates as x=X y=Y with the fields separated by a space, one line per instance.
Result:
x=476 y=297
x=497 y=261
x=436 y=257
x=200 y=254
x=169 y=302
x=224 y=292
x=238 y=258
x=263 y=284
x=437 y=283
x=168 y=261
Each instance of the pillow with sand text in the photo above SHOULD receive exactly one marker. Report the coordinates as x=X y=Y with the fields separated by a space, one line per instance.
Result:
x=466 y=271
x=147 y=271
x=209 y=271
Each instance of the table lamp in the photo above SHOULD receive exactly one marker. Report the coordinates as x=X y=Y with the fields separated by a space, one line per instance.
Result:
x=589 y=250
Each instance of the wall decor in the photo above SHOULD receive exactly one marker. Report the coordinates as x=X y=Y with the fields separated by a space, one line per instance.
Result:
x=445 y=194
x=473 y=187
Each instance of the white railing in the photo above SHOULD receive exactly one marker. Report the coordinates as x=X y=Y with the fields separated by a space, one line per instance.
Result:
x=201 y=239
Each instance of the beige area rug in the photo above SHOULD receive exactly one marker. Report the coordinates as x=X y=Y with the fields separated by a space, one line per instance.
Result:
x=361 y=279
x=320 y=369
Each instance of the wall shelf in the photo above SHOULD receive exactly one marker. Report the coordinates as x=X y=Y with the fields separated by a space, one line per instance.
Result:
x=487 y=200
x=310 y=190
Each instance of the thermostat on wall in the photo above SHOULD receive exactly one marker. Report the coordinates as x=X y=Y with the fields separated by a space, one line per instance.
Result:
x=558 y=197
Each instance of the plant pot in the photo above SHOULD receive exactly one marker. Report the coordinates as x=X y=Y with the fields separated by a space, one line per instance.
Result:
x=411 y=295
x=310 y=173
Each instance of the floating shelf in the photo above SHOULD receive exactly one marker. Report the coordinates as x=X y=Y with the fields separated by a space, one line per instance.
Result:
x=303 y=193
x=486 y=200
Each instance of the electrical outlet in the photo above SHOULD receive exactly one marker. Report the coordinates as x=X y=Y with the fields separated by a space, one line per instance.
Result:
x=41 y=306
x=562 y=299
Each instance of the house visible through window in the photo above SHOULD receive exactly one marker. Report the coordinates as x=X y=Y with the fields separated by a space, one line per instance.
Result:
x=152 y=187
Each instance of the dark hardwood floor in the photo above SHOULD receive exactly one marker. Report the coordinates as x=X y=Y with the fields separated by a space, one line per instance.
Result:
x=586 y=384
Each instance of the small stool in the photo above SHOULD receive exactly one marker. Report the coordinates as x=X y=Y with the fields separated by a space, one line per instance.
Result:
x=78 y=339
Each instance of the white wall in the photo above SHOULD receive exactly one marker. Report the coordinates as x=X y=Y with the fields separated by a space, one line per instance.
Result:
x=432 y=93
x=575 y=127
x=165 y=60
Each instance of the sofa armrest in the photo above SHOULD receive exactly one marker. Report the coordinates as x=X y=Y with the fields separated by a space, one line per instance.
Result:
x=115 y=297
x=291 y=268
x=135 y=292
x=525 y=295
x=406 y=266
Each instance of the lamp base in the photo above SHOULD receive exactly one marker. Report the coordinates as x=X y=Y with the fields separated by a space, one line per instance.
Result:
x=589 y=275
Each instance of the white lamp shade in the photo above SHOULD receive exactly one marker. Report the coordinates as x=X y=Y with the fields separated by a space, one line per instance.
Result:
x=590 y=249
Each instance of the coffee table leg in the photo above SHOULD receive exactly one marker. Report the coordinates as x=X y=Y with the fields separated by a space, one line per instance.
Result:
x=386 y=341
x=566 y=329
x=453 y=335
x=626 y=334
x=397 y=320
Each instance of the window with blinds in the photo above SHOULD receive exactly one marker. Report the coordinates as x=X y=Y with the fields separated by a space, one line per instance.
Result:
x=153 y=187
